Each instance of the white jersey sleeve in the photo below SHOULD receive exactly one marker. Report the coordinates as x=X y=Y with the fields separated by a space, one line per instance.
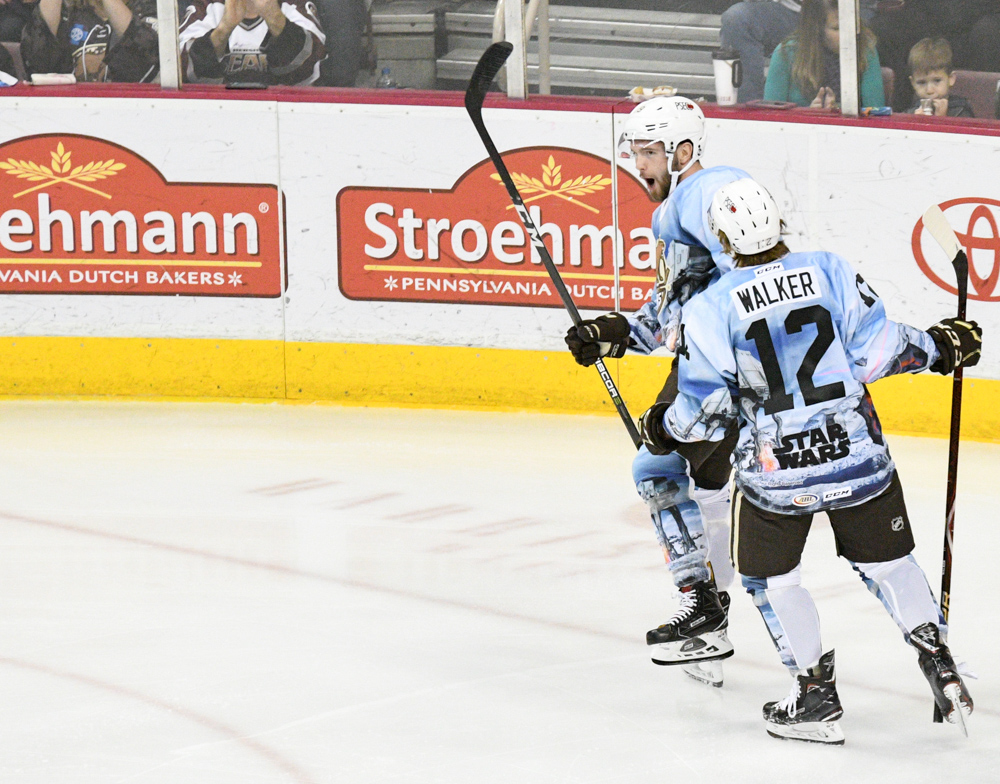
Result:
x=875 y=346
x=705 y=405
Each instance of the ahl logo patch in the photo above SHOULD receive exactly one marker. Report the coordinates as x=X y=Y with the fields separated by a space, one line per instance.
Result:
x=806 y=499
x=897 y=524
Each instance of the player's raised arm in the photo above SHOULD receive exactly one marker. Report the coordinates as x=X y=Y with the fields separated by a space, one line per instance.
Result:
x=877 y=347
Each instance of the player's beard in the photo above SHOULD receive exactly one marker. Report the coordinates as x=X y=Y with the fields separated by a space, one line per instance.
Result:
x=660 y=188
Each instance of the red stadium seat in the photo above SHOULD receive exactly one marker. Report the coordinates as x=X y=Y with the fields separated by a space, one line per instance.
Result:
x=15 y=51
x=980 y=88
x=889 y=84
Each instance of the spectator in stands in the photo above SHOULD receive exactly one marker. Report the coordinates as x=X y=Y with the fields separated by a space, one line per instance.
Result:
x=252 y=41
x=805 y=68
x=972 y=27
x=346 y=21
x=14 y=15
x=96 y=40
x=932 y=78
x=755 y=27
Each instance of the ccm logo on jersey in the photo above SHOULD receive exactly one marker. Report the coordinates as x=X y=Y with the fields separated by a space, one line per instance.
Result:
x=806 y=499
x=777 y=288
x=758 y=271
x=833 y=495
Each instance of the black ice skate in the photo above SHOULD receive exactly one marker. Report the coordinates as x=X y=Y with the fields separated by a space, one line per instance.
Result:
x=811 y=709
x=697 y=632
x=709 y=671
x=939 y=668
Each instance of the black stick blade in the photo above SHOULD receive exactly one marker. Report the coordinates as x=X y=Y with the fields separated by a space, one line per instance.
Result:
x=487 y=68
x=961 y=265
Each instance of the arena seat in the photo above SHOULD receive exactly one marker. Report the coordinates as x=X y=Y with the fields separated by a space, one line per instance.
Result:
x=15 y=51
x=980 y=88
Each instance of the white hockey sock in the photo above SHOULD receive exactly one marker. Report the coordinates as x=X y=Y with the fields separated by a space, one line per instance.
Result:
x=714 y=505
x=901 y=586
x=791 y=618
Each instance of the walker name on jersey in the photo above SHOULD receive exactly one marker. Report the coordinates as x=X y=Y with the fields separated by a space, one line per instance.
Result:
x=776 y=286
x=467 y=245
x=84 y=216
x=813 y=447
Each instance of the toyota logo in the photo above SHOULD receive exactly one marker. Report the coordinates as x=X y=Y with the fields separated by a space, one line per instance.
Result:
x=981 y=240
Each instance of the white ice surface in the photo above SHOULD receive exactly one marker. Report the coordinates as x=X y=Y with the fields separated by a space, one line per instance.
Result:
x=219 y=593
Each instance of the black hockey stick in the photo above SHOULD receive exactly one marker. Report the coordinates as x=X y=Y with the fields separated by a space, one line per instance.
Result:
x=944 y=235
x=487 y=68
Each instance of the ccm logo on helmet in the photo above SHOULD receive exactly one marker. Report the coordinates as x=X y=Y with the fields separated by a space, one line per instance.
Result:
x=806 y=499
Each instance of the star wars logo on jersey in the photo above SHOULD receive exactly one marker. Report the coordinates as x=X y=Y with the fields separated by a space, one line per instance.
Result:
x=813 y=447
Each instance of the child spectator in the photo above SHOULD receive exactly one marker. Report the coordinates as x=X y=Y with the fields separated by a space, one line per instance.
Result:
x=932 y=78
x=805 y=68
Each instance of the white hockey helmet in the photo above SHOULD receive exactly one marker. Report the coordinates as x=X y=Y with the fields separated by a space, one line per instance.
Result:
x=670 y=120
x=748 y=215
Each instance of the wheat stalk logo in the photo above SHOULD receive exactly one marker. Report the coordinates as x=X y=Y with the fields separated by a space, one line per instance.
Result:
x=62 y=170
x=552 y=184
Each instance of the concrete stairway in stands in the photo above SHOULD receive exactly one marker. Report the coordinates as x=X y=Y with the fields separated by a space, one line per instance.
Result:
x=594 y=51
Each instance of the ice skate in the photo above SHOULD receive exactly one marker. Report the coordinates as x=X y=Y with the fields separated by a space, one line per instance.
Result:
x=939 y=668
x=709 y=672
x=810 y=711
x=697 y=631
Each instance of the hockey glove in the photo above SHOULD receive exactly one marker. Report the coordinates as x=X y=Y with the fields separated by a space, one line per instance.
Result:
x=605 y=336
x=654 y=435
x=959 y=344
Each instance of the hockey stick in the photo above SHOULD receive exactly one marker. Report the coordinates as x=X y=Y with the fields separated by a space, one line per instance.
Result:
x=486 y=70
x=944 y=235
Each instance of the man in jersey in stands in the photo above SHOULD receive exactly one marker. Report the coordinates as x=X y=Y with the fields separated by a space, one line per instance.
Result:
x=252 y=41
x=784 y=345
x=687 y=491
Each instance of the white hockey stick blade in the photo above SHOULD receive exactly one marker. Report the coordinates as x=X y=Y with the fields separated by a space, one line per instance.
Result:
x=944 y=235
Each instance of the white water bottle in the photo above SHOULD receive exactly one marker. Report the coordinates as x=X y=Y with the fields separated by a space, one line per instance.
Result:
x=385 y=79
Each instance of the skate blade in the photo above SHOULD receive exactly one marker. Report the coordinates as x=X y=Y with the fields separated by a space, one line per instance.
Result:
x=708 y=672
x=708 y=647
x=827 y=732
x=959 y=709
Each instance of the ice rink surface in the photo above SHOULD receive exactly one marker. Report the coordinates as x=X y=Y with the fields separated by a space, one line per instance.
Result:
x=231 y=594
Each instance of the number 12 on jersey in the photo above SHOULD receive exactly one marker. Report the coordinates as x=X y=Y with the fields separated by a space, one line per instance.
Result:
x=779 y=397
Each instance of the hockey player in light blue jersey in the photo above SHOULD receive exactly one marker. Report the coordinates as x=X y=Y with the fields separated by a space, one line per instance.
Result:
x=783 y=346
x=687 y=494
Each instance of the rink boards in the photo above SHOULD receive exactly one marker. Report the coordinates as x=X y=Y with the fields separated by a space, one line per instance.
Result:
x=359 y=252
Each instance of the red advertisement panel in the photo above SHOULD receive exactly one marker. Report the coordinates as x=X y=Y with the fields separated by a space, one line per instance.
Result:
x=83 y=216
x=975 y=220
x=466 y=245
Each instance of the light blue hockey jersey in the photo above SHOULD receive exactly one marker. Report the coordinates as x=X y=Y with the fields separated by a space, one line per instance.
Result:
x=785 y=349
x=682 y=218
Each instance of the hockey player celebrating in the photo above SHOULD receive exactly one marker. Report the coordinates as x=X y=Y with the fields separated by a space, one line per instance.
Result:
x=666 y=139
x=784 y=344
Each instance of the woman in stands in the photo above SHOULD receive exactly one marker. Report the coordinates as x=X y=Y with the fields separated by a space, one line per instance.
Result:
x=805 y=68
x=95 y=40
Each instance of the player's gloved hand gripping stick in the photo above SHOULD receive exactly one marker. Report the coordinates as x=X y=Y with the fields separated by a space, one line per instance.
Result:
x=487 y=68
x=939 y=228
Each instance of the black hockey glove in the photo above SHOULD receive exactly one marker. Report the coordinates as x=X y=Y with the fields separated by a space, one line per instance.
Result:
x=654 y=435
x=604 y=336
x=959 y=344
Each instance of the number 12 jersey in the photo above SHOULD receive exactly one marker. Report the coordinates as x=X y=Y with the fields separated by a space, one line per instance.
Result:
x=785 y=349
